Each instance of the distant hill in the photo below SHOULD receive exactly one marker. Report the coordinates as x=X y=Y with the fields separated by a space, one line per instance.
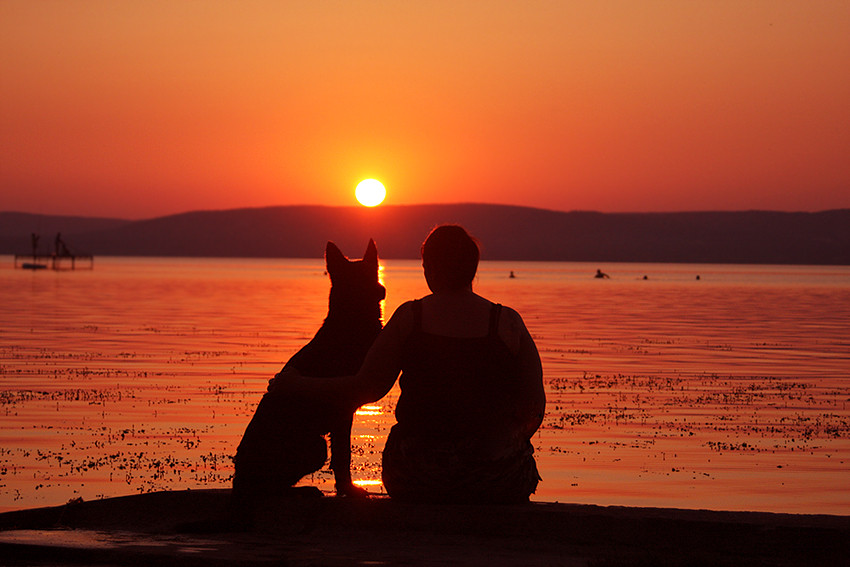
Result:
x=506 y=233
x=21 y=225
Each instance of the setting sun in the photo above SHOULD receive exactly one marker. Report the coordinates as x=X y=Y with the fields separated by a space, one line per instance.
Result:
x=370 y=192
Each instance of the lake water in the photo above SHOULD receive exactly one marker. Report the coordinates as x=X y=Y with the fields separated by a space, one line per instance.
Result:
x=727 y=392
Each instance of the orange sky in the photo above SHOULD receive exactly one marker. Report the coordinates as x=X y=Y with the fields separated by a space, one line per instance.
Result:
x=141 y=109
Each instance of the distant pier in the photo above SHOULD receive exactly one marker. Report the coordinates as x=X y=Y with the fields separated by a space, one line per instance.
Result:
x=54 y=261
x=62 y=257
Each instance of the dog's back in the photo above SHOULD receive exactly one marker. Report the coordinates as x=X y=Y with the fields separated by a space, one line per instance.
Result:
x=285 y=439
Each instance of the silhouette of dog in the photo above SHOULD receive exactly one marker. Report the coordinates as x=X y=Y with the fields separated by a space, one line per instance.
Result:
x=284 y=440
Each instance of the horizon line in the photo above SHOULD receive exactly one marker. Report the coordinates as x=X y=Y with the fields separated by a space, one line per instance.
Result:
x=411 y=205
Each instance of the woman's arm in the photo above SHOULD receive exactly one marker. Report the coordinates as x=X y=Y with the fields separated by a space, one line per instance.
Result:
x=531 y=371
x=383 y=361
x=374 y=379
x=530 y=404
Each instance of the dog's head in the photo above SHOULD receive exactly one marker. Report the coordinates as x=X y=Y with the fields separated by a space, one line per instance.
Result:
x=354 y=281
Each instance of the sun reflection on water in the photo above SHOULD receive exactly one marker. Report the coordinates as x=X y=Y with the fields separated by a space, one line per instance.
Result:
x=370 y=410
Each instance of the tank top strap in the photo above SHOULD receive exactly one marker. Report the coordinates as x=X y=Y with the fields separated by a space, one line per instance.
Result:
x=417 y=314
x=495 y=312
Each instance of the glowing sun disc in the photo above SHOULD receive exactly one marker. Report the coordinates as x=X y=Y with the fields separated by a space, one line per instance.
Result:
x=370 y=192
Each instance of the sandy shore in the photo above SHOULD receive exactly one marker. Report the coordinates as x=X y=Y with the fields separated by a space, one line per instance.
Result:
x=185 y=528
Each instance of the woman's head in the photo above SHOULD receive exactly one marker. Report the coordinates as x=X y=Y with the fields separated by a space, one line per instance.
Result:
x=450 y=258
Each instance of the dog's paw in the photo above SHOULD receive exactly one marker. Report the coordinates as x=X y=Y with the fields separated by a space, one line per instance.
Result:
x=351 y=491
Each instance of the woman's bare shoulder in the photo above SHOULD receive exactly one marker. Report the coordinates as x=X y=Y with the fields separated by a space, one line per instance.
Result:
x=403 y=311
x=511 y=328
x=401 y=321
x=510 y=315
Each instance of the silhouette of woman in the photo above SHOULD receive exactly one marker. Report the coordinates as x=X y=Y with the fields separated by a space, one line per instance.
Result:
x=471 y=387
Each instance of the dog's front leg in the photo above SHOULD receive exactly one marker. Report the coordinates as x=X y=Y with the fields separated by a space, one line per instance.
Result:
x=341 y=458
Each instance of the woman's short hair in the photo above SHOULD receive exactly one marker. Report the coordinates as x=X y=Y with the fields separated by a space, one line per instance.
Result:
x=450 y=257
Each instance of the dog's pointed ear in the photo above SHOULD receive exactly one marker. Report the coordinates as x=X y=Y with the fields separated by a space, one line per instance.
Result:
x=333 y=257
x=371 y=254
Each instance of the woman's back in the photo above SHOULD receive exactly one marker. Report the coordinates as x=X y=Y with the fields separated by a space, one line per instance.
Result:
x=455 y=314
x=455 y=385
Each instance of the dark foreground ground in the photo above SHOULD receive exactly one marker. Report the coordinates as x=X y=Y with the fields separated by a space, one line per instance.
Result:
x=186 y=528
